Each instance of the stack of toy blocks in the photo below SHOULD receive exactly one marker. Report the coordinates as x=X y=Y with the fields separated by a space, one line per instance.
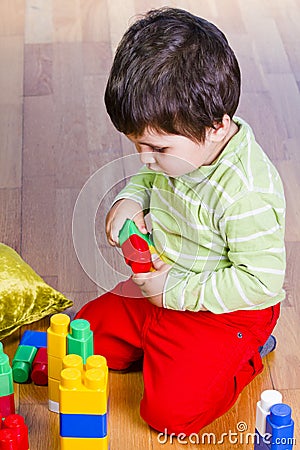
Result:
x=83 y=403
x=78 y=384
x=13 y=431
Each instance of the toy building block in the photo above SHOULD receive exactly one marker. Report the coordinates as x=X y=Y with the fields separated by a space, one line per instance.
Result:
x=39 y=374
x=22 y=363
x=7 y=403
x=268 y=398
x=136 y=247
x=80 y=339
x=57 y=334
x=83 y=392
x=280 y=426
x=83 y=408
x=56 y=349
x=36 y=339
x=15 y=432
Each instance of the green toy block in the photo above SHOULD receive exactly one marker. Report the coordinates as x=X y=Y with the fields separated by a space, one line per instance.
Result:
x=128 y=229
x=80 y=340
x=1 y=347
x=22 y=363
x=6 y=378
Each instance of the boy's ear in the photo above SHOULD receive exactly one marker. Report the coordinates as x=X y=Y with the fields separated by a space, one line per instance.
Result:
x=221 y=129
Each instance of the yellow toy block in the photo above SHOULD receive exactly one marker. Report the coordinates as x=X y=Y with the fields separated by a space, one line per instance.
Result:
x=84 y=443
x=83 y=396
x=57 y=335
x=53 y=390
x=55 y=366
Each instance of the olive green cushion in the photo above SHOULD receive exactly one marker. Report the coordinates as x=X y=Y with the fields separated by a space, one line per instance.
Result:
x=24 y=296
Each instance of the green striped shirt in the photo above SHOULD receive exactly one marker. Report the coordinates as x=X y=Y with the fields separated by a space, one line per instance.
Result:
x=221 y=227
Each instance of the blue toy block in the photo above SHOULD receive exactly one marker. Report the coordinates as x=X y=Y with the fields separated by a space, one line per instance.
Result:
x=36 y=339
x=83 y=425
x=280 y=426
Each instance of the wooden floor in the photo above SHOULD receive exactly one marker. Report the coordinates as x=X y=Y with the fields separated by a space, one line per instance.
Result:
x=55 y=56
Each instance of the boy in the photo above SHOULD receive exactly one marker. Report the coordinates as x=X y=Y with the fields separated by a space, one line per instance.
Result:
x=217 y=209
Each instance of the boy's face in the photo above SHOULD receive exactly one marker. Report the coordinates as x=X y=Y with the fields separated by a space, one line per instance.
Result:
x=172 y=154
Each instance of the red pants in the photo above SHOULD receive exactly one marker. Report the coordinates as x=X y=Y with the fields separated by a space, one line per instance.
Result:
x=195 y=364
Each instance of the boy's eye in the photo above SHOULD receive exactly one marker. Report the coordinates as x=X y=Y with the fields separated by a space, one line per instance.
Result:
x=159 y=149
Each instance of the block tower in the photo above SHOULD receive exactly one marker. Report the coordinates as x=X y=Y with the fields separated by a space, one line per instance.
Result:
x=83 y=398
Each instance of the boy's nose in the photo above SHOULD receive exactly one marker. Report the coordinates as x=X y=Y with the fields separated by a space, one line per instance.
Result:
x=147 y=158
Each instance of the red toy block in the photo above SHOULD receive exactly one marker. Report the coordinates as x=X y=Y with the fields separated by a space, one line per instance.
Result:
x=7 y=405
x=39 y=374
x=14 y=433
x=137 y=254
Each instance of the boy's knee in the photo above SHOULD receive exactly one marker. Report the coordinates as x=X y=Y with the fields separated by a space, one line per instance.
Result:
x=172 y=415
x=187 y=411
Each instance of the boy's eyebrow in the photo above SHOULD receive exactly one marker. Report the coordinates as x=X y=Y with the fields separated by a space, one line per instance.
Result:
x=149 y=144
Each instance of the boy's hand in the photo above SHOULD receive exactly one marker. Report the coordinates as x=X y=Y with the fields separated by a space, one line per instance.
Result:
x=120 y=211
x=152 y=283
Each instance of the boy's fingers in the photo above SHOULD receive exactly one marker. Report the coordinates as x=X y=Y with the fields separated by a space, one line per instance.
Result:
x=140 y=223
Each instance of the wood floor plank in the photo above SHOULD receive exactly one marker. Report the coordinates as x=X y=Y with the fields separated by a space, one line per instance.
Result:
x=68 y=91
x=41 y=136
x=286 y=100
x=71 y=276
x=94 y=21
x=10 y=214
x=286 y=359
x=253 y=108
x=12 y=16
x=120 y=14
x=97 y=59
x=11 y=145
x=38 y=69
x=289 y=171
x=39 y=225
x=39 y=27
x=67 y=21
x=292 y=281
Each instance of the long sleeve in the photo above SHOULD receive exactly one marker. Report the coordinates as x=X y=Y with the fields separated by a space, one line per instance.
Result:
x=139 y=188
x=253 y=229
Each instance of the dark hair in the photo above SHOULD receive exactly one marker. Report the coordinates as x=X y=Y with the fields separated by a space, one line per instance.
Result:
x=173 y=72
